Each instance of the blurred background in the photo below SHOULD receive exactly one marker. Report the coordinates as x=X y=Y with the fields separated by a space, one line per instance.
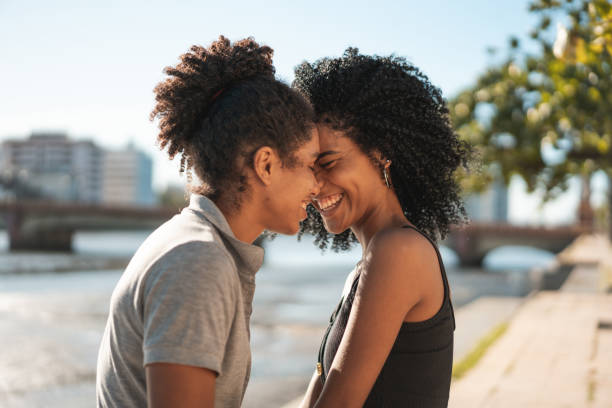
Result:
x=82 y=181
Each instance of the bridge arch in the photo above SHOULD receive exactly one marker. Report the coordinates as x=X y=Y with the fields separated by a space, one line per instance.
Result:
x=473 y=242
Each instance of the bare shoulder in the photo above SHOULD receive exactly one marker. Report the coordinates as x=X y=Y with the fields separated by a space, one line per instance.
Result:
x=400 y=245
x=404 y=256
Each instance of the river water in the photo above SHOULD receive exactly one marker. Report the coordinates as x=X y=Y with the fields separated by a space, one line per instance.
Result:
x=51 y=322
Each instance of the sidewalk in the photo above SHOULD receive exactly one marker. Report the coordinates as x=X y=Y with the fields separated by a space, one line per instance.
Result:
x=557 y=351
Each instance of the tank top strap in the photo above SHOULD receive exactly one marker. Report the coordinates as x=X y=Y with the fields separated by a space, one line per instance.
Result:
x=447 y=289
x=348 y=298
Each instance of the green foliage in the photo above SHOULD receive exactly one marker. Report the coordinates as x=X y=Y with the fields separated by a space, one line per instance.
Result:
x=546 y=117
x=474 y=356
x=173 y=197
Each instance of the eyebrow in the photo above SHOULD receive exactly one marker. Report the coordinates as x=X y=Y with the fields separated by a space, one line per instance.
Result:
x=326 y=153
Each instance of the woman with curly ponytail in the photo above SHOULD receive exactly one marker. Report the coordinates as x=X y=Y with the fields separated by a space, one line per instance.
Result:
x=386 y=172
x=178 y=328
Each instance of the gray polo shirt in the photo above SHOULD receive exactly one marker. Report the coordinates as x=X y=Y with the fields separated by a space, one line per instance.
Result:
x=184 y=298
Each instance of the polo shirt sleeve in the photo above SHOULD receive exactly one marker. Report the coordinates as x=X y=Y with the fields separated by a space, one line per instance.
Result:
x=189 y=304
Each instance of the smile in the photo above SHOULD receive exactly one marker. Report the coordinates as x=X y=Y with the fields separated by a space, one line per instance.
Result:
x=328 y=203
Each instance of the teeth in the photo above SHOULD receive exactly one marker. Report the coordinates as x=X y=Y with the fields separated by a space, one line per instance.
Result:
x=304 y=204
x=329 y=201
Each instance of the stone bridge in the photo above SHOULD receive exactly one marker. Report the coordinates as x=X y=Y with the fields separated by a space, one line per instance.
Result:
x=49 y=226
x=474 y=241
x=41 y=225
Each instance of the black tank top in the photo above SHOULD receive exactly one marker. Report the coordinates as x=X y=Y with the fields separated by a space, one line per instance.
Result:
x=417 y=372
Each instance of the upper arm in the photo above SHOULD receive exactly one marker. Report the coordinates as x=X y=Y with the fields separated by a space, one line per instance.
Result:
x=174 y=385
x=388 y=288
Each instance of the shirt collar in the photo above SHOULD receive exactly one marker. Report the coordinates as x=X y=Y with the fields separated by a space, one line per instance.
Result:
x=250 y=255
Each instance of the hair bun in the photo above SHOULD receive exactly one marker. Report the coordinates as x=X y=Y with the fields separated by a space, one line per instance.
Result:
x=239 y=61
x=196 y=81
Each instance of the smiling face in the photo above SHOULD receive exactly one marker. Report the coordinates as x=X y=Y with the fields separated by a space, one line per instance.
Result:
x=293 y=189
x=351 y=185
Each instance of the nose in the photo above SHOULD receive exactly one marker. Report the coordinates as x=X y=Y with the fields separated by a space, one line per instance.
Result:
x=317 y=185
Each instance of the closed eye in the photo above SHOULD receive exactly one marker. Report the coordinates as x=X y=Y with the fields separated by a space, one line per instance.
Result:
x=327 y=164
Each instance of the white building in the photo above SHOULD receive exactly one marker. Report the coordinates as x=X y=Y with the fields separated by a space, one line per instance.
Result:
x=127 y=177
x=56 y=166
x=67 y=170
x=87 y=157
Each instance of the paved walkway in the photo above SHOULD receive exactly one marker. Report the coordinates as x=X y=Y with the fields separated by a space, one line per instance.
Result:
x=476 y=319
x=557 y=352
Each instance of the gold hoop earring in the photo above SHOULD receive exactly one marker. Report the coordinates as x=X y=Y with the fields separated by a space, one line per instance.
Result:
x=387 y=182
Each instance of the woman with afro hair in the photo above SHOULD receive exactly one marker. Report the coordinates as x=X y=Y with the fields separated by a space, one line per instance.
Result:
x=178 y=328
x=386 y=173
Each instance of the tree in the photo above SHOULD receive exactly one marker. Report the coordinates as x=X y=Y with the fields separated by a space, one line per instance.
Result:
x=546 y=117
x=174 y=197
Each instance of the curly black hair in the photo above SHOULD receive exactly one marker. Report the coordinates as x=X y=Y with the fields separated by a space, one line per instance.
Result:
x=388 y=106
x=219 y=105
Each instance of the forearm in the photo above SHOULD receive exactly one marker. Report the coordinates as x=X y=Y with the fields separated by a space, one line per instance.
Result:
x=313 y=392
x=339 y=392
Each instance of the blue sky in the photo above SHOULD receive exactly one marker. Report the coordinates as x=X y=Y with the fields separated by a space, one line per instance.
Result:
x=89 y=68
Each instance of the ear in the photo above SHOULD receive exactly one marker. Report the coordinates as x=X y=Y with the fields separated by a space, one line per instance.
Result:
x=263 y=162
x=384 y=162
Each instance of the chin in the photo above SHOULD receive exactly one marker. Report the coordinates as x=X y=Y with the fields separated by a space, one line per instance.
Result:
x=290 y=229
x=334 y=229
x=294 y=230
